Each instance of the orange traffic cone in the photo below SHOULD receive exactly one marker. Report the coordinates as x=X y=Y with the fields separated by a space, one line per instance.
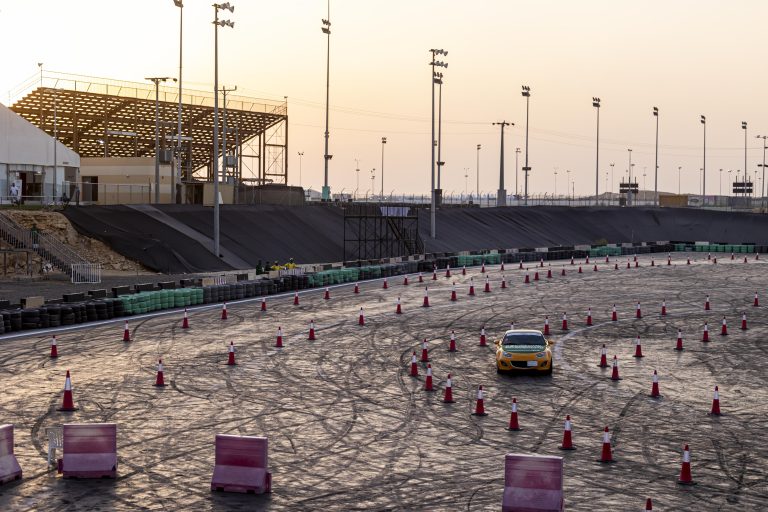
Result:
x=603 y=357
x=452 y=343
x=572 y=262
x=744 y=321
x=638 y=313
x=513 y=421
x=425 y=304
x=434 y=275
x=471 y=287
x=231 y=359
x=487 y=288
x=638 y=348
x=398 y=309
x=589 y=317
x=503 y=282
x=361 y=318
x=482 y=268
x=606 y=455
x=448 y=395
x=295 y=298
x=424 y=351
x=586 y=261
x=549 y=273
x=614 y=316
x=264 y=304
x=421 y=278
x=527 y=279
x=405 y=281
x=480 y=407
x=688 y=261
x=756 y=302
x=655 y=385
x=357 y=288
x=706 y=304
x=482 y=336
x=724 y=328
x=279 y=342
x=448 y=271
x=414 y=365
x=663 y=307
x=648 y=504
x=535 y=276
x=715 y=411
x=327 y=295
x=653 y=262
x=580 y=271
x=224 y=311
x=546 y=326
x=615 y=371
x=595 y=269
x=679 y=345
x=428 y=381
x=311 y=331
x=185 y=321
x=159 y=380
x=628 y=265
x=669 y=260
x=126 y=332
x=502 y=267
x=564 y=326
x=67 y=404
x=54 y=349
x=464 y=270
x=705 y=336
x=685 y=470
x=384 y=285
x=562 y=271
x=567 y=435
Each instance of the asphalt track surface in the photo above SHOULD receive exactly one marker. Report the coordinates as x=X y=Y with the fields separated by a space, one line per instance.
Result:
x=349 y=429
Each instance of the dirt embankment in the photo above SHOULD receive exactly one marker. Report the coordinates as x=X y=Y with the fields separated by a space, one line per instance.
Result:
x=56 y=224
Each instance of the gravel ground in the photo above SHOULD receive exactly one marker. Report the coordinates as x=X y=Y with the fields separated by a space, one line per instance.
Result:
x=349 y=429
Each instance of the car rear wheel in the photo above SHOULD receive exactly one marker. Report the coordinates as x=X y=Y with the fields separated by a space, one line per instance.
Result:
x=551 y=366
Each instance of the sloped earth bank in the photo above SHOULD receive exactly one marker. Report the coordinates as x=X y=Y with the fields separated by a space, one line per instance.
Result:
x=349 y=429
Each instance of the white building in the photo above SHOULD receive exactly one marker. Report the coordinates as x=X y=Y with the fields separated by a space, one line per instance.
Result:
x=27 y=158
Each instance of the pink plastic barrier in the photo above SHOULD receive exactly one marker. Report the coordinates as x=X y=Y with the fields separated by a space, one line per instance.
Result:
x=9 y=466
x=90 y=451
x=532 y=483
x=241 y=465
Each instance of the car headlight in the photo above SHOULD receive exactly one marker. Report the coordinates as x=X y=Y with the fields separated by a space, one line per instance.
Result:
x=541 y=354
x=506 y=354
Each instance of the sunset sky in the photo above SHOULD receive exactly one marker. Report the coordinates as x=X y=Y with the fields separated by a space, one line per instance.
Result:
x=687 y=57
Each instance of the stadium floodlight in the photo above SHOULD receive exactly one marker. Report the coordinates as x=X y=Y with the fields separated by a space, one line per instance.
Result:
x=704 y=157
x=527 y=95
x=433 y=202
x=656 y=166
x=326 y=29
x=226 y=6
x=596 y=104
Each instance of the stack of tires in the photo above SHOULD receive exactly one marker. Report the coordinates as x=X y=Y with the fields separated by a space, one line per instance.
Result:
x=30 y=318
x=68 y=314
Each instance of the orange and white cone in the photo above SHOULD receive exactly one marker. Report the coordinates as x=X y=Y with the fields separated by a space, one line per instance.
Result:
x=756 y=302
x=705 y=336
x=567 y=435
x=264 y=304
x=615 y=370
x=564 y=326
x=562 y=271
x=580 y=271
x=503 y=282
x=425 y=304
x=724 y=328
x=448 y=394
x=482 y=268
x=279 y=341
x=595 y=268
x=615 y=266
x=572 y=262
x=745 y=259
x=715 y=411
x=603 y=357
x=405 y=281
x=706 y=304
x=653 y=262
x=448 y=271
x=480 y=405
x=398 y=309
x=487 y=288
x=606 y=455
x=637 y=263
x=638 y=348
x=655 y=385
x=464 y=270
x=514 y=424
x=536 y=276
x=357 y=288
x=54 y=349
x=421 y=278
x=685 y=471
x=648 y=504
x=424 y=351
x=714 y=260
x=224 y=311
x=546 y=326
x=384 y=284
x=733 y=256
x=663 y=307
x=428 y=381
x=709 y=256
x=502 y=267
x=482 y=337
x=185 y=321
x=589 y=317
x=521 y=265
x=452 y=343
x=628 y=265
x=638 y=313
x=126 y=332
x=688 y=261
x=434 y=275
x=361 y=318
x=231 y=359
x=549 y=273
x=607 y=260
x=295 y=298
x=527 y=279
x=311 y=331
x=327 y=295
x=744 y=321
x=614 y=316
x=586 y=261
x=669 y=260
x=160 y=380
x=453 y=293
x=471 y=287
x=414 y=365
x=67 y=403
x=679 y=345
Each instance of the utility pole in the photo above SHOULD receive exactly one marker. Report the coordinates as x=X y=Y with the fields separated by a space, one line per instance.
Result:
x=501 y=196
x=596 y=104
x=326 y=28
x=526 y=167
x=517 y=190
x=477 y=191
x=656 y=167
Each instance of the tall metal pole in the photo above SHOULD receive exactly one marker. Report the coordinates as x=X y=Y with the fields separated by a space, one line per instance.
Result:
x=629 y=193
x=656 y=166
x=596 y=104
x=326 y=194
x=216 y=213
x=744 y=126
x=439 y=130
x=180 y=5
x=157 y=140
x=704 y=167
x=526 y=167
x=501 y=196
x=517 y=189
x=433 y=206
x=55 y=144
x=477 y=190
x=383 y=143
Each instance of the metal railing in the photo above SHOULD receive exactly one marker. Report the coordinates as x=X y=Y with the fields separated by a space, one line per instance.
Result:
x=86 y=273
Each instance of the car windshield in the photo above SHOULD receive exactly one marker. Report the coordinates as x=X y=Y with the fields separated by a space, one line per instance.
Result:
x=524 y=339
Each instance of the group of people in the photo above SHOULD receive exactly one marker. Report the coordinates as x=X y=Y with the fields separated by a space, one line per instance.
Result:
x=262 y=268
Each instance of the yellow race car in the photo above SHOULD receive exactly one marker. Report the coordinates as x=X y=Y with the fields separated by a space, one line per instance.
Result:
x=525 y=350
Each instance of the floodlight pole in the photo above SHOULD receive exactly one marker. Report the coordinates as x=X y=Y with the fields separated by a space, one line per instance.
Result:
x=704 y=167
x=326 y=28
x=157 y=80
x=439 y=129
x=433 y=205
x=477 y=191
x=656 y=167
x=762 y=186
x=744 y=127
x=501 y=196
x=180 y=5
x=596 y=104
x=517 y=189
x=383 y=142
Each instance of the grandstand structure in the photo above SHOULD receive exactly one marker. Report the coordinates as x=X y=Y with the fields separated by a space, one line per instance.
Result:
x=98 y=117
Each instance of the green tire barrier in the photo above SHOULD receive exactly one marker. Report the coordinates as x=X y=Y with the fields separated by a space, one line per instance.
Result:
x=146 y=302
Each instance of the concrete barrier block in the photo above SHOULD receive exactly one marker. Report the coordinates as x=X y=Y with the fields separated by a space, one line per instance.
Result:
x=533 y=483
x=9 y=466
